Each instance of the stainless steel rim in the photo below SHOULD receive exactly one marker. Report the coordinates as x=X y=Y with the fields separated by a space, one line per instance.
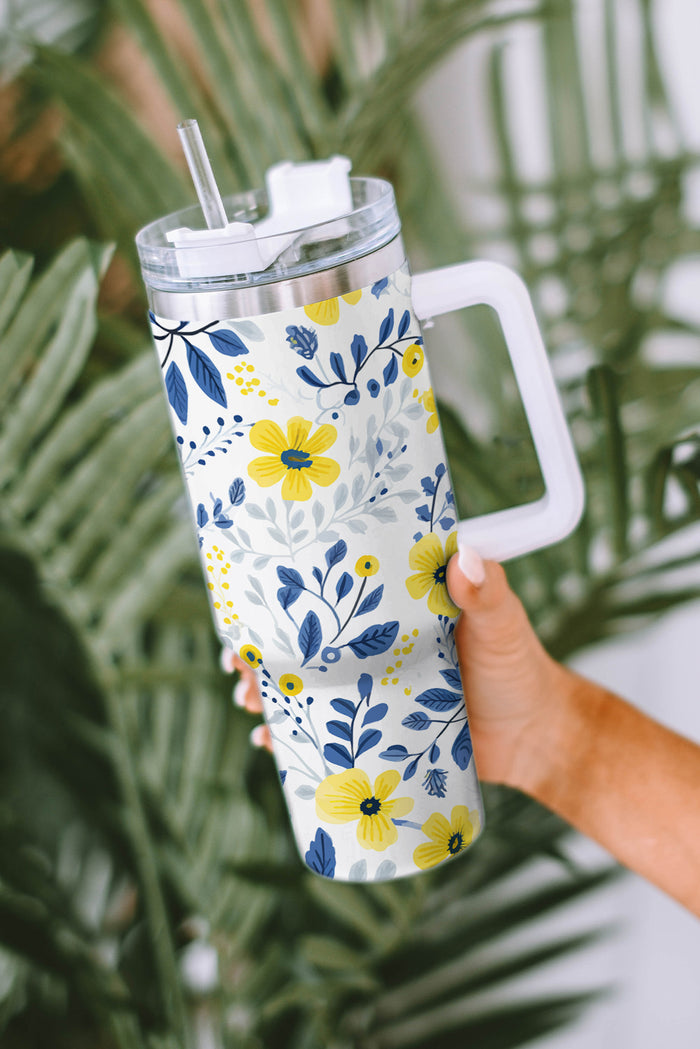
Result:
x=257 y=300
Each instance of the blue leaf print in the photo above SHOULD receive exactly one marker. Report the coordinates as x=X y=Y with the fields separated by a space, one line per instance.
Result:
x=202 y=515
x=369 y=738
x=395 y=753
x=310 y=636
x=379 y=286
x=375 y=640
x=337 y=754
x=417 y=720
x=404 y=323
x=364 y=686
x=338 y=367
x=340 y=728
x=387 y=326
x=438 y=699
x=227 y=342
x=321 y=855
x=375 y=713
x=423 y=512
x=205 y=374
x=410 y=770
x=352 y=396
x=371 y=601
x=303 y=340
x=236 y=492
x=218 y=507
x=287 y=595
x=391 y=370
x=344 y=706
x=462 y=747
x=223 y=522
x=428 y=485
x=336 y=553
x=318 y=575
x=344 y=585
x=446 y=523
x=290 y=577
x=358 y=349
x=434 y=752
x=177 y=391
x=308 y=376
x=452 y=677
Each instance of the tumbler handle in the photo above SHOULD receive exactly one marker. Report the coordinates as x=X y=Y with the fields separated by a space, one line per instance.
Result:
x=510 y=533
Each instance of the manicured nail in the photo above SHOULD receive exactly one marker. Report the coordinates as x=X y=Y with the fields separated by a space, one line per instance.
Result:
x=240 y=691
x=226 y=660
x=472 y=565
x=258 y=736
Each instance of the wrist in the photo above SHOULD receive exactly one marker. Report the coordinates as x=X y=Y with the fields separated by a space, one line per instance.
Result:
x=554 y=747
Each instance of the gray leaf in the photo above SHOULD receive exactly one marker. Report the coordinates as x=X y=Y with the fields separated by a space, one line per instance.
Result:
x=249 y=330
x=358 y=871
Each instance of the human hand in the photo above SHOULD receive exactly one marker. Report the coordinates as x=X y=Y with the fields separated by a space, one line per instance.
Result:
x=511 y=685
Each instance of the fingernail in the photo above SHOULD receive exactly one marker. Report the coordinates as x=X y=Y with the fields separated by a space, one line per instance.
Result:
x=239 y=693
x=257 y=736
x=226 y=660
x=472 y=565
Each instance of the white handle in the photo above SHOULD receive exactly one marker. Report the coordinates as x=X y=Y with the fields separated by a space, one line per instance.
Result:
x=510 y=533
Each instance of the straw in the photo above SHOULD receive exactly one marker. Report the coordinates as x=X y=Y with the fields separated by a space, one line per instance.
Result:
x=202 y=174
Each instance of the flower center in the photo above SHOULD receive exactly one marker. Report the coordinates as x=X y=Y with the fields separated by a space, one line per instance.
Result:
x=440 y=574
x=455 y=844
x=370 y=806
x=294 y=459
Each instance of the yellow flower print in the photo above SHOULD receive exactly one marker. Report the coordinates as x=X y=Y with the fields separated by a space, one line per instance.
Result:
x=328 y=311
x=344 y=797
x=251 y=655
x=446 y=839
x=290 y=684
x=293 y=459
x=427 y=399
x=429 y=561
x=367 y=565
x=412 y=360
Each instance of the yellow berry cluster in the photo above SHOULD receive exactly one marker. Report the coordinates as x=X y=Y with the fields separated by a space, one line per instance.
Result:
x=248 y=383
x=404 y=649
x=219 y=585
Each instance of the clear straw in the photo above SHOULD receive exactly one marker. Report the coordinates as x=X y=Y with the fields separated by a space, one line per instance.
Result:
x=202 y=174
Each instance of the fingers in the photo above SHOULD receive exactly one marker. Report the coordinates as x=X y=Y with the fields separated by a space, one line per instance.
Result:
x=246 y=693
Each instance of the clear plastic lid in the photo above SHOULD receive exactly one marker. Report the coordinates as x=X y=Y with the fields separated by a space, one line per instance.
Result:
x=232 y=258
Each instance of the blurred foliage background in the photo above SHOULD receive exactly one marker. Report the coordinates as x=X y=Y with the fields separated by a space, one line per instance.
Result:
x=150 y=895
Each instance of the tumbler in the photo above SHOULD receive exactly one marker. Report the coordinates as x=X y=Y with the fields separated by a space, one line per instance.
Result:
x=300 y=396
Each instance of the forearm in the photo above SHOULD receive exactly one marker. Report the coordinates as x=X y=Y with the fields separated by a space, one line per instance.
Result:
x=622 y=779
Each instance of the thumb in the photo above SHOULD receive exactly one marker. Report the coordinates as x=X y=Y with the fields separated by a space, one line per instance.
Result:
x=492 y=613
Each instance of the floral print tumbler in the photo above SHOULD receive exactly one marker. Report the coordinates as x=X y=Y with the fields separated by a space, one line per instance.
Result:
x=305 y=420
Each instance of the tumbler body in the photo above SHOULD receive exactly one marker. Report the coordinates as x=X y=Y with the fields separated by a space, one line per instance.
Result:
x=319 y=486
